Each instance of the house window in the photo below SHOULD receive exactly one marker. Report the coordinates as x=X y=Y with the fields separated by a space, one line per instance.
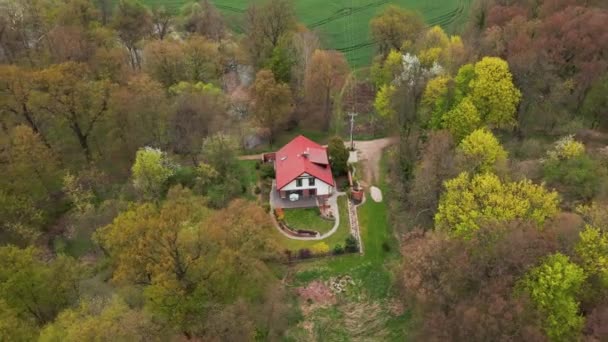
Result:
x=311 y=181
x=299 y=182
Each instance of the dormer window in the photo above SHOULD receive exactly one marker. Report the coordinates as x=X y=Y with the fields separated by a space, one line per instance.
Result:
x=299 y=182
x=311 y=181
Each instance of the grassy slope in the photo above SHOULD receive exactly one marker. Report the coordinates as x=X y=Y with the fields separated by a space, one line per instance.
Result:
x=340 y=27
x=372 y=270
x=307 y=218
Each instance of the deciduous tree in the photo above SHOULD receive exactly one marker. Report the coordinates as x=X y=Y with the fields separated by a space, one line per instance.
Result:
x=462 y=119
x=133 y=21
x=325 y=77
x=99 y=319
x=493 y=92
x=481 y=152
x=394 y=26
x=150 y=172
x=273 y=102
x=470 y=201
x=266 y=24
x=553 y=287
x=71 y=96
x=338 y=156
x=33 y=288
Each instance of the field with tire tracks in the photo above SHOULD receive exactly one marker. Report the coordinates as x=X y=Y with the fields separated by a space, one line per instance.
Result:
x=344 y=24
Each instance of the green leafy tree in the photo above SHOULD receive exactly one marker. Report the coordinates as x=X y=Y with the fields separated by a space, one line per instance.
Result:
x=493 y=92
x=338 y=156
x=280 y=63
x=150 y=172
x=71 y=95
x=101 y=320
x=15 y=327
x=34 y=289
x=133 y=22
x=31 y=175
x=384 y=71
x=481 y=152
x=394 y=26
x=219 y=152
x=383 y=102
x=568 y=168
x=595 y=103
x=553 y=287
x=462 y=119
x=592 y=249
x=188 y=258
x=272 y=102
x=435 y=101
x=470 y=201
x=462 y=81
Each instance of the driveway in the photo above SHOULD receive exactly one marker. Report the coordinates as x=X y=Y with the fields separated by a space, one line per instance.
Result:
x=370 y=152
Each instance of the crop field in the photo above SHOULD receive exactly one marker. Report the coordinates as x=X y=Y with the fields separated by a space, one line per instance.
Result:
x=344 y=24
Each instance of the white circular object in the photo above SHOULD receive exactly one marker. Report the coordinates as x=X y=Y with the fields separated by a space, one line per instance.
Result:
x=294 y=197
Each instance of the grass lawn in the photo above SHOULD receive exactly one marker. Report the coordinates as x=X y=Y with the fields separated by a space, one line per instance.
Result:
x=343 y=24
x=308 y=219
x=249 y=177
x=336 y=238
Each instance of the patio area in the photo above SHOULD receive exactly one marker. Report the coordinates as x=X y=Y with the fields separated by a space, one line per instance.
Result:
x=277 y=202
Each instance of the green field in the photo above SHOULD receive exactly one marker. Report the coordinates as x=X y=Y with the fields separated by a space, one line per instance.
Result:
x=344 y=24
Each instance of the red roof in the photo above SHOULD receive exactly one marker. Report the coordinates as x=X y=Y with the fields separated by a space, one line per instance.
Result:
x=299 y=156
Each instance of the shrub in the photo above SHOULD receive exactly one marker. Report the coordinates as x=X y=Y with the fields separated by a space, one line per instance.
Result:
x=338 y=249
x=279 y=214
x=320 y=248
x=258 y=164
x=257 y=190
x=267 y=171
x=386 y=247
x=304 y=253
x=351 y=245
x=566 y=148
x=578 y=177
x=338 y=156
x=529 y=149
x=184 y=176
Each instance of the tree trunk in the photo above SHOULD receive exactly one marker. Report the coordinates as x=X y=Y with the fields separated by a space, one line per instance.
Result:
x=34 y=126
x=82 y=140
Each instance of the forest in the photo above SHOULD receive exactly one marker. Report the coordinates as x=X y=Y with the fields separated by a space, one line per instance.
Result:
x=134 y=205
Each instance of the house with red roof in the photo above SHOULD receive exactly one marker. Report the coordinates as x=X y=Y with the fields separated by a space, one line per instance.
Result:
x=302 y=171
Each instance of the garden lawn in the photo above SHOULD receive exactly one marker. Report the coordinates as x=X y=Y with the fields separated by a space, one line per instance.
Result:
x=338 y=237
x=308 y=219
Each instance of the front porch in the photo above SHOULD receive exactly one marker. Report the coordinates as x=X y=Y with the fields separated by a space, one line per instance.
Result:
x=303 y=202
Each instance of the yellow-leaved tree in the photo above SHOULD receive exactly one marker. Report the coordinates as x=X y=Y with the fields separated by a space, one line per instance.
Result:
x=481 y=152
x=462 y=119
x=470 y=201
x=493 y=92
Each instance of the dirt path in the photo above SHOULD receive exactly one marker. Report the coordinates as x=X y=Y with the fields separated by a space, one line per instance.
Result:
x=370 y=153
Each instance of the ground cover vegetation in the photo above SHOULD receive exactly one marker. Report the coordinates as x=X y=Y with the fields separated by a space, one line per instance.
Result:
x=127 y=213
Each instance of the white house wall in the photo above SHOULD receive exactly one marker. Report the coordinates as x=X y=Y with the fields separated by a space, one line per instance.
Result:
x=322 y=187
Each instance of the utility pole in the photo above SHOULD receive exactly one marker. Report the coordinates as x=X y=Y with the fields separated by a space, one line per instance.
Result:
x=352 y=124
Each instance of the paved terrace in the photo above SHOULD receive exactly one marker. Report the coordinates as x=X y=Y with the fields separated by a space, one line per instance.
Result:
x=277 y=202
